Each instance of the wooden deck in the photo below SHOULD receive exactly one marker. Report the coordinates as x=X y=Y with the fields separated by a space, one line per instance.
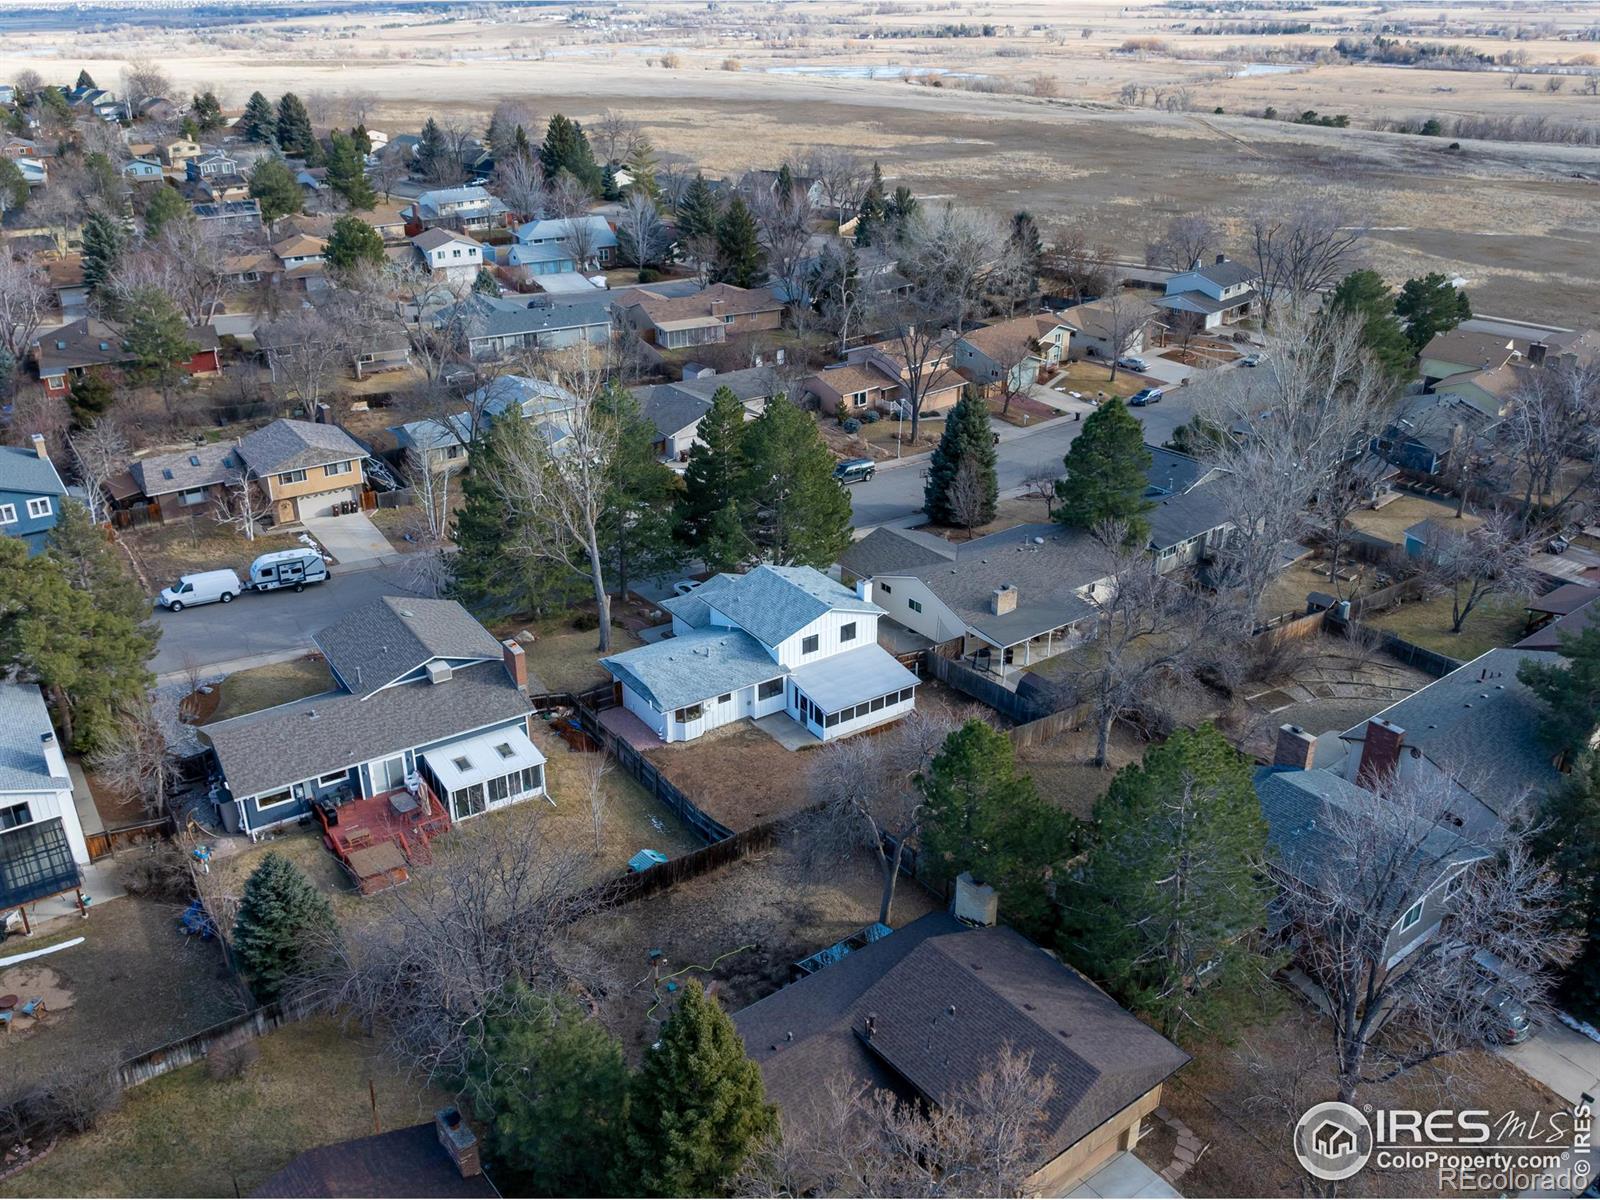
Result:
x=380 y=838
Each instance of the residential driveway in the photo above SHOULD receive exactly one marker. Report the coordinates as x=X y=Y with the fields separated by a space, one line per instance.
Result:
x=1164 y=371
x=1562 y=1059
x=1123 y=1175
x=351 y=539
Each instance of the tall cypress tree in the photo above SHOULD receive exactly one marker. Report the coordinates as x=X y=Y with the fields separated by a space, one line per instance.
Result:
x=874 y=210
x=566 y=148
x=708 y=509
x=85 y=80
x=259 y=123
x=1107 y=473
x=696 y=1109
x=699 y=213
x=791 y=506
x=1172 y=880
x=295 y=137
x=740 y=259
x=967 y=438
x=280 y=917
x=103 y=240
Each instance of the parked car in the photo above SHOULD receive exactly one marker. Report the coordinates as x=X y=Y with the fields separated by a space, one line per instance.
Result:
x=1252 y=360
x=1132 y=362
x=288 y=569
x=684 y=586
x=1513 y=1024
x=203 y=587
x=855 y=470
x=1558 y=545
x=1144 y=396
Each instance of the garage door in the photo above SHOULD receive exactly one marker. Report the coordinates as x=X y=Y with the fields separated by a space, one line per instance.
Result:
x=324 y=504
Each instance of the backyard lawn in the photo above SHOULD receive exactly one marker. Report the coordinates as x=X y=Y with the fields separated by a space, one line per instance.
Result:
x=561 y=658
x=1392 y=520
x=1495 y=622
x=277 y=683
x=185 y=1134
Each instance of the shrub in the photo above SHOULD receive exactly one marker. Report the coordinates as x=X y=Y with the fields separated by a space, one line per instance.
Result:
x=586 y=622
x=671 y=61
x=650 y=275
x=231 y=1059
x=871 y=417
x=159 y=871
x=1217 y=110
x=732 y=64
x=72 y=1099
x=850 y=425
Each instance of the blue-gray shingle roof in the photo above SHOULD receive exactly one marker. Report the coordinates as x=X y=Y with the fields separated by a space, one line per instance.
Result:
x=686 y=670
x=24 y=719
x=774 y=603
x=22 y=470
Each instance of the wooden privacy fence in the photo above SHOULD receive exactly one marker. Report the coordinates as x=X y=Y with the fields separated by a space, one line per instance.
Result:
x=650 y=777
x=181 y=1053
x=983 y=688
x=636 y=885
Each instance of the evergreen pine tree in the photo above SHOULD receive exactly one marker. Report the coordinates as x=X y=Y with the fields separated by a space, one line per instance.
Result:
x=90 y=396
x=206 y=110
x=85 y=80
x=1107 y=474
x=1364 y=294
x=696 y=1109
x=708 y=509
x=432 y=153
x=347 y=172
x=608 y=183
x=165 y=205
x=103 y=239
x=259 y=123
x=698 y=213
x=520 y=146
x=551 y=1084
x=783 y=185
x=1567 y=838
x=274 y=186
x=1172 y=879
x=353 y=241
x=791 y=506
x=1570 y=691
x=967 y=438
x=566 y=148
x=636 y=529
x=1027 y=248
x=190 y=128
x=280 y=917
x=740 y=259
x=362 y=139
x=641 y=165
x=13 y=187
x=156 y=335
x=485 y=284
x=294 y=127
x=1430 y=306
x=874 y=210
x=981 y=816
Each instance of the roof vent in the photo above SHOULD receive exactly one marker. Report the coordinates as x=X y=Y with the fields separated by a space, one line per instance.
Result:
x=439 y=672
x=311 y=714
x=405 y=612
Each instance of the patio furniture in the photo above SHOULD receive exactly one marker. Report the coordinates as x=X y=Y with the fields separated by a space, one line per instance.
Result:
x=403 y=803
x=34 y=1009
x=8 y=1002
x=5 y=1021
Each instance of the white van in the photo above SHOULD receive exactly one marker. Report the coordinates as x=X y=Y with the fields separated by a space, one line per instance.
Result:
x=288 y=569
x=201 y=588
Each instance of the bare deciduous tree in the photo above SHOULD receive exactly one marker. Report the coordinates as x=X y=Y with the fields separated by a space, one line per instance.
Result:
x=1075 y=267
x=1554 y=422
x=614 y=136
x=859 y=1142
x=593 y=772
x=954 y=252
x=243 y=506
x=554 y=495
x=842 y=176
x=134 y=759
x=494 y=907
x=923 y=344
x=1187 y=239
x=143 y=79
x=1041 y=484
x=784 y=226
x=518 y=180
x=24 y=300
x=1471 y=565
x=1397 y=1001
x=1300 y=249
x=1124 y=318
x=100 y=454
x=307 y=347
x=641 y=237
x=968 y=497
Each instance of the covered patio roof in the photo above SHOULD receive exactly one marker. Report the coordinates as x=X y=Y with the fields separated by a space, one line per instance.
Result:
x=846 y=679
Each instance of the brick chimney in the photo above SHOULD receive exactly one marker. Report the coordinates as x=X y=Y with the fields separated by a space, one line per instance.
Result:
x=1004 y=599
x=1221 y=258
x=1380 y=753
x=459 y=1142
x=1536 y=353
x=516 y=663
x=718 y=307
x=37 y=441
x=1296 y=748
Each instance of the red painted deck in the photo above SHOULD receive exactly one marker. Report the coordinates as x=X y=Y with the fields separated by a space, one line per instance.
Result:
x=376 y=843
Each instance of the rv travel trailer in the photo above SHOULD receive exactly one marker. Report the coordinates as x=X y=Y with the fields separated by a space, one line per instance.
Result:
x=287 y=568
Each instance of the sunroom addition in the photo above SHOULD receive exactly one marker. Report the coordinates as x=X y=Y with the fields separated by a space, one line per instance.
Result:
x=488 y=771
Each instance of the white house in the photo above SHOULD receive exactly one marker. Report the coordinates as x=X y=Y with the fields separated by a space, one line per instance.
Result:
x=452 y=256
x=1218 y=293
x=41 y=838
x=775 y=640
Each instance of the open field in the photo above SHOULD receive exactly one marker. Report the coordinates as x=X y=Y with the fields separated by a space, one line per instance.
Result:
x=186 y=1134
x=759 y=82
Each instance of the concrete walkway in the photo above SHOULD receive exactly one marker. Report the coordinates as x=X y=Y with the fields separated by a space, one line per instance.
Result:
x=352 y=539
x=1564 y=1060
x=1124 y=1177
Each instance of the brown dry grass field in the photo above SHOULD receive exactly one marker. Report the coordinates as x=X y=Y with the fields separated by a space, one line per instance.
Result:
x=1515 y=219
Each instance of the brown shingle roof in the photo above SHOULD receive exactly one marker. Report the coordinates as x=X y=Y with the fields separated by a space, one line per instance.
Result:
x=403 y=1162
x=736 y=301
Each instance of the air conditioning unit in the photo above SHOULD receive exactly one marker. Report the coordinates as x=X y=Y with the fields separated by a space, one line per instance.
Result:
x=439 y=672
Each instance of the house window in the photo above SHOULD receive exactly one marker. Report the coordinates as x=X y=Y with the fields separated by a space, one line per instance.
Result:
x=833 y=719
x=192 y=497
x=769 y=689
x=338 y=468
x=1457 y=882
x=1412 y=916
x=292 y=477
x=39 y=506
x=272 y=799
x=332 y=777
x=847 y=633
x=692 y=713
x=16 y=814
x=809 y=645
x=914 y=605
x=887 y=590
x=8 y=514
x=725 y=697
